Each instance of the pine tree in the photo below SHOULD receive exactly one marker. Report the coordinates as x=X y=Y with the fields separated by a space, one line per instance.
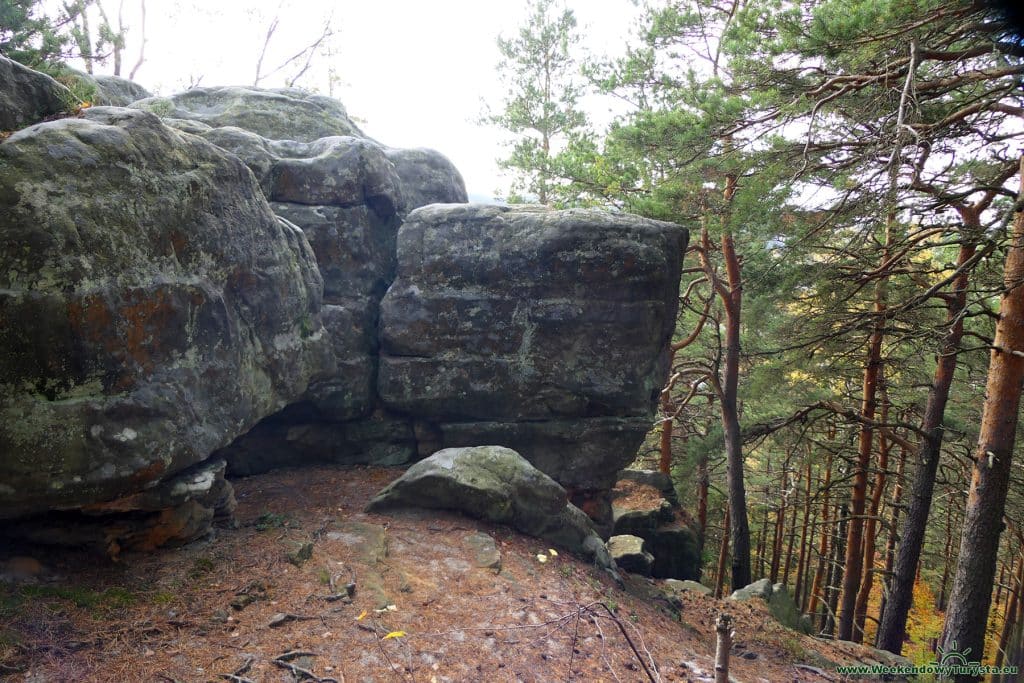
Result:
x=29 y=36
x=541 y=107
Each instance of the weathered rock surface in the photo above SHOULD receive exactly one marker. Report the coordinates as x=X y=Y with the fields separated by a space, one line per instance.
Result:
x=428 y=177
x=762 y=588
x=348 y=194
x=110 y=91
x=114 y=91
x=175 y=511
x=640 y=508
x=629 y=554
x=543 y=330
x=152 y=308
x=687 y=586
x=27 y=96
x=498 y=485
x=278 y=114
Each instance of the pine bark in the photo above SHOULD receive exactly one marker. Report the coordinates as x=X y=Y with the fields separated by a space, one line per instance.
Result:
x=854 y=561
x=890 y=544
x=1010 y=619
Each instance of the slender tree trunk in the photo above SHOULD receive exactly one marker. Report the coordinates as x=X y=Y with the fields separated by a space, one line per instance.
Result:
x=703 y=487
x=792 y=532
x=948 y=562
x=723 y=646
x=798 y=590
x=823 y=550
x=975 y=570
x=1011 y=614
x=890 y=545
x=893 y=624
x=780 y=528
x=731 y=294
x=871 y=524
x=806 y=584
x=665 y=450
x=723 y=556
x=836 y=570
x=1002 y=581
x=853 y=564
x=142 y=41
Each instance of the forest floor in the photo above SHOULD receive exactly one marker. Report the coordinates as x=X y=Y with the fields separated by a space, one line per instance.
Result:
x=248 y=604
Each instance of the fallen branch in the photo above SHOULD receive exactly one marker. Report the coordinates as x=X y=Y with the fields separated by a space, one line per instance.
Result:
x=284 y=662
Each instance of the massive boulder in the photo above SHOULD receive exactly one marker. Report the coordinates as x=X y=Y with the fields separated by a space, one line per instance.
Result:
x=544 y=331
x=157 y=316
x=152 y=308
x=27 y=96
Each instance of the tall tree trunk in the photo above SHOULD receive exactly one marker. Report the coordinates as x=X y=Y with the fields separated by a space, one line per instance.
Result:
x=948 y=561
x=890 y=545
x=798 y=590
x=871 y=524
x=703 y=487
x=1010 y=620
x=893 y=624
x=792 y=532
x=975 y=570
x=665 y=447
x=731 y=294
x=823 y=549
x=762 y=536
x=779 y=527
x=854 y=562
x=836 y=569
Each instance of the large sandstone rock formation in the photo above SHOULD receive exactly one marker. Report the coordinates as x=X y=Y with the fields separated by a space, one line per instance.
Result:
x=157 y=317
x=545 y=331
x=152 y=308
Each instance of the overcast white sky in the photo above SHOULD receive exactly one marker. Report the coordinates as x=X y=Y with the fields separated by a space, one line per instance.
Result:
x=413 y=72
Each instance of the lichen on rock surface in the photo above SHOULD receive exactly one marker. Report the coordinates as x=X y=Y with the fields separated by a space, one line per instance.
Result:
x=496 y=484
x=152 y=308
x=277 y=114
x=538 y=329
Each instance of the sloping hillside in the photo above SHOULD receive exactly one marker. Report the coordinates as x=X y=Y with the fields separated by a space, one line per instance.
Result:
x=249 y=605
